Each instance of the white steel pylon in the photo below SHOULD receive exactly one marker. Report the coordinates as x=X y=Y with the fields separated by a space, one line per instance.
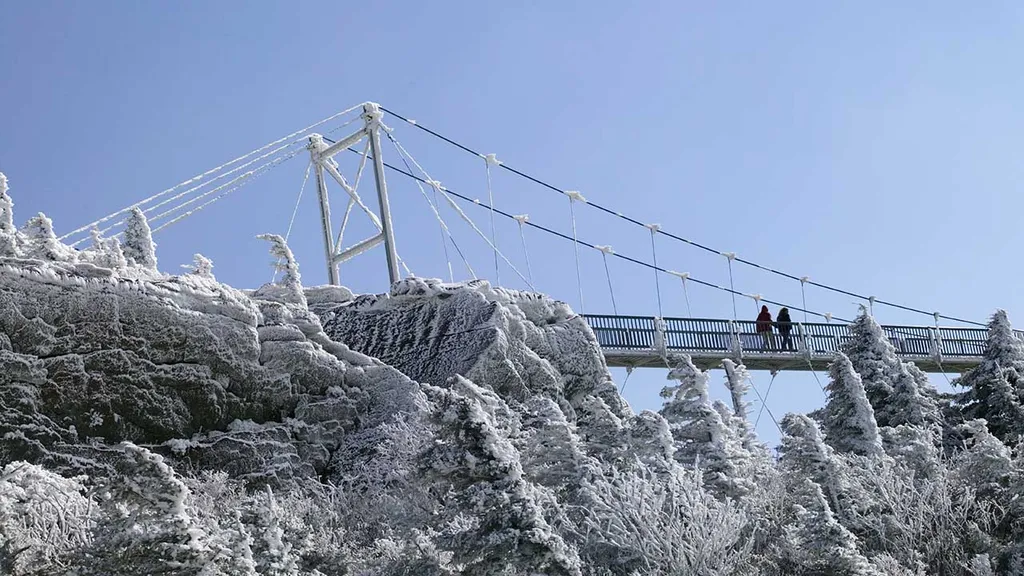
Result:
x=321 y=154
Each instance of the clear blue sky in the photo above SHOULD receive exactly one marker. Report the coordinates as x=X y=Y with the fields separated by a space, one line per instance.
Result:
x=871 y=146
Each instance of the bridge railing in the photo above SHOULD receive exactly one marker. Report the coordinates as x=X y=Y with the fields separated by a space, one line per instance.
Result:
x=728 y=337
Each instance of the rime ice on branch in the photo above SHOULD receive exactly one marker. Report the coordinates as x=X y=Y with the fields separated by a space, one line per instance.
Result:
x=6 y=208
x=995 y=389
x=138 y=240
x=42 y=242
x=849 y=421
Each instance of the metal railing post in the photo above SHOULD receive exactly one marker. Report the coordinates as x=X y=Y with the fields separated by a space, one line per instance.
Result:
x=936 y=344
x=737 y=345
x=804 y=347
x=659 y=337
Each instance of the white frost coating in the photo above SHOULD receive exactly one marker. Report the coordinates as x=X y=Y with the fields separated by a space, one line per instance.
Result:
x=515 y=453
x=849 y=421
x=6 y=208
x=821 y=543
x=41 y=242
x=995 y=389
x=899 y=392
x=138 y=240
x=702 y=438
x=290 y=287
x=575 y=196
x=201 y=266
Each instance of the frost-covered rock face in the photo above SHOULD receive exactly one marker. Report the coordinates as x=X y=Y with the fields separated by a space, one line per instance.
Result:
x=224 y=381
x=521 y=345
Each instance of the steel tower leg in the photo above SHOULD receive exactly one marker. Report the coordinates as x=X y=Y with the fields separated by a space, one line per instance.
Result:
x=372 y=114
x=316 y=145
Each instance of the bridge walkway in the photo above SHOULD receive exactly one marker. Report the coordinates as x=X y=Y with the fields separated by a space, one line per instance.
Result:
x=635 y=341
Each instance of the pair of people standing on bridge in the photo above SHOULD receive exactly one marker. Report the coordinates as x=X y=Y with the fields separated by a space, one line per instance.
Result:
x=784 y=323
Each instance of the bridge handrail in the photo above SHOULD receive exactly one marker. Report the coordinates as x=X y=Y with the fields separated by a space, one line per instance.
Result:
x=718 y=335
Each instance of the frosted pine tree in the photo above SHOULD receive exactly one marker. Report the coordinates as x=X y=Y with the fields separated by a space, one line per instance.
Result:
x=493 y=516
x=650 y=440
x=138 y=240
x=818 y=543
x=271 y=552
x=144 y=526
x=8 y=232
x=201 y=266
x=995 y=388
x=551 y=452
x=41 y=242
x=986 y=464
x=107 y=252
x=898 y=394
x=6 y=208
x=849 y=421
x=601 y=431
x=737 y=381
x=804 y=454
x=701 y=438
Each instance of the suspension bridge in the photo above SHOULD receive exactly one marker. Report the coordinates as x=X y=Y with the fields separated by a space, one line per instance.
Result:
x=627 y=341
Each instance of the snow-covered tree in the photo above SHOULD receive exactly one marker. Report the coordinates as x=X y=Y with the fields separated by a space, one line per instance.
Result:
x=551 y=454
x=995 y=388
x=986 y=464
x=41 y=241
x=8 y=231
x=645 y=521
x=106 y=252
x=201 y=266
x=849 y=421
x=6 y=208
x=284 y=260
x=650 y=440
x=701 y=438
x=138 y=240
x=601 y=431
x=897 y=393
x=819 y=544
x=494 y=516
x=43 y=517
x=144 y=524
x=737 y=381
x=804 y=454
x=272 y=553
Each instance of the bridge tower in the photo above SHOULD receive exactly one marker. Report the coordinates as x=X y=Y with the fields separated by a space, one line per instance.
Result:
x=322 y=157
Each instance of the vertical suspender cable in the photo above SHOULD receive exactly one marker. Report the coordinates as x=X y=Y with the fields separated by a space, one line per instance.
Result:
x=523 y=219
x=730 y=256
x=654 y=251
x=444 y=241
x=573 y=198
x=683 y=276
x=488 y=160
x=605 y=251
x=686 y=296
x=295 y=211
x=803 y=296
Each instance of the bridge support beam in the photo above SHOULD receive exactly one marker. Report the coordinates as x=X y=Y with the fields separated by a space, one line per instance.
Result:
x=372 y=114
x=316 y=144
x=321 y=155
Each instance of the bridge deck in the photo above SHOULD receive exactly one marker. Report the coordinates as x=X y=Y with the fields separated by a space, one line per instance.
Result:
x=635 y=340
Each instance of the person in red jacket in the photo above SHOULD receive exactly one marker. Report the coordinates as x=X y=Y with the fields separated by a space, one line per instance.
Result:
x=764 y=327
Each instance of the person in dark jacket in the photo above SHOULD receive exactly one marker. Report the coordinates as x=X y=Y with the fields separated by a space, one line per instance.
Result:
x=764 y=327
x=785 y=325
